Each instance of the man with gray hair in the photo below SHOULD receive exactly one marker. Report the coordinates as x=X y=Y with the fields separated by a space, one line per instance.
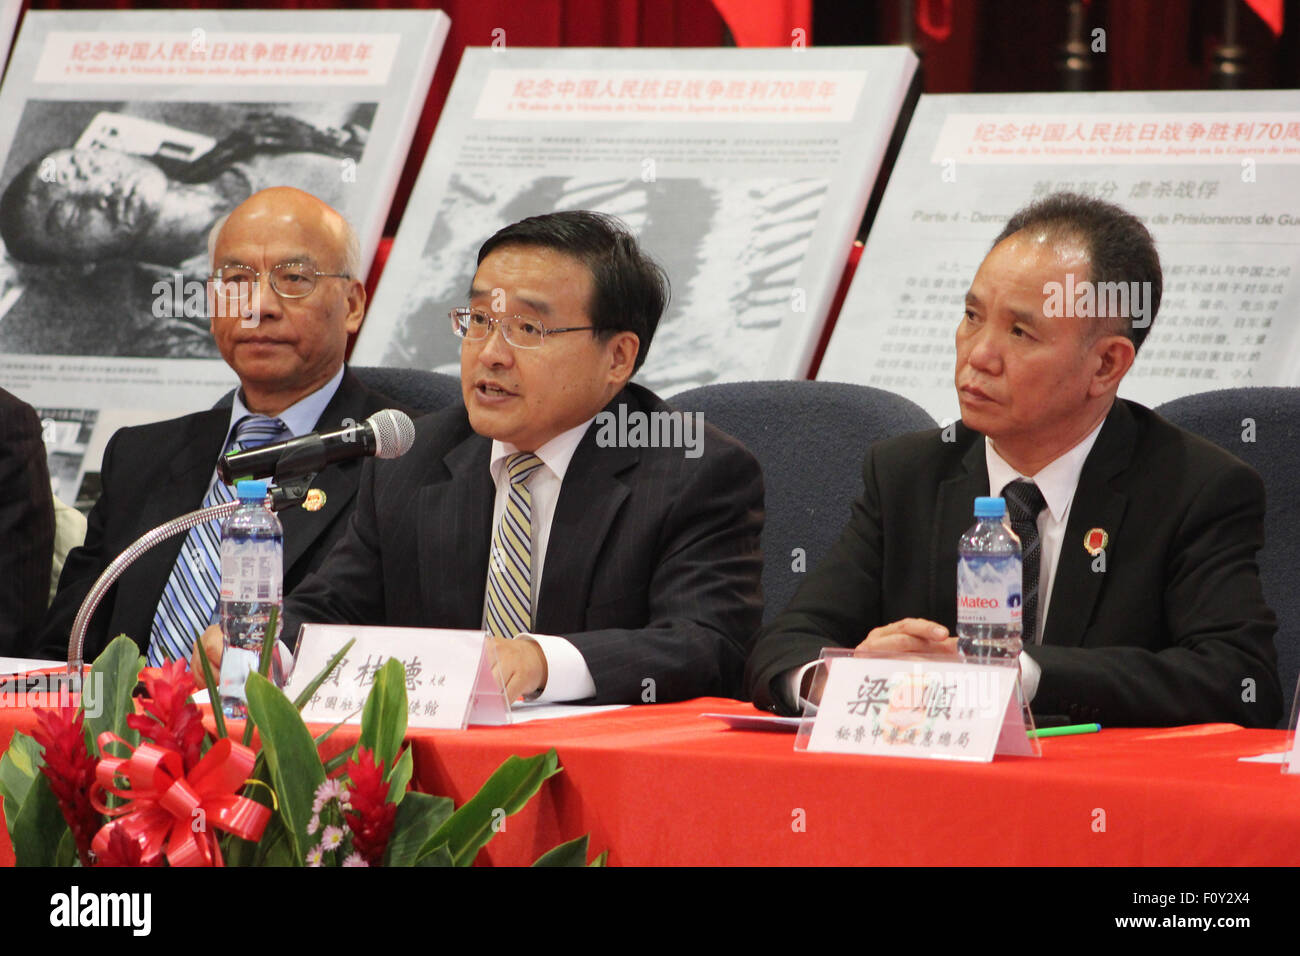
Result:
x=1142 y=604
x=285 y=293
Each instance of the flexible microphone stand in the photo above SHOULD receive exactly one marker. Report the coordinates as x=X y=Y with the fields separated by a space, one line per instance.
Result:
x=285 y=494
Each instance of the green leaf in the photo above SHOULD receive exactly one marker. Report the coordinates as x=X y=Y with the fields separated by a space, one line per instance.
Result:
x=268 y=646
x=263 y=668
x=291 y=757
x=340 y=758
x=66 y=853
x=326 y=735
x=213 y=684
x=602 y=860
x=275 y=849
x=383 y=722
x=418 y=818
x=301 y=700
x=18 y=769
x=107 y=695
x=400 y=777
x=337 y=761
x=573 y=853
x=247 y=739
x=39 y=827
x=508 y=789
x=239 y=852
x=439 y=856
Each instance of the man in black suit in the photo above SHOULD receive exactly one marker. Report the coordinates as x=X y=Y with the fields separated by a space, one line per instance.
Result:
x=288 y=296
x=26 y=525
x=605 y=571
x=1147 y=594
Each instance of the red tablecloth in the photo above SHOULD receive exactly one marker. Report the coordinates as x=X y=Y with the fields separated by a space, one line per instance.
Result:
x=660 y=785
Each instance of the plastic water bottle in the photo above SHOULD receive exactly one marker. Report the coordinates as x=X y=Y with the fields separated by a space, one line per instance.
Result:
x=252 y=577
x=989 y=586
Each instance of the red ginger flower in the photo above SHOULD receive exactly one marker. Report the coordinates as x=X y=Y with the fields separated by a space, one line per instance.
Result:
x=170 y=720
x=124 y=850
x=70 y=769
x=372 y=818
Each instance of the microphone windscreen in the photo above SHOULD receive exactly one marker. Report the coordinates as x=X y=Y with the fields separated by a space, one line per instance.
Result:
x=394 y=433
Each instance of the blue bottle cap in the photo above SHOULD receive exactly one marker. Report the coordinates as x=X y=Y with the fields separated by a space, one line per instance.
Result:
x=990 y=508
x=255 y=489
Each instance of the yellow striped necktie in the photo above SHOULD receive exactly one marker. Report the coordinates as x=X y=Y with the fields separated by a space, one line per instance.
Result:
x=510 y=592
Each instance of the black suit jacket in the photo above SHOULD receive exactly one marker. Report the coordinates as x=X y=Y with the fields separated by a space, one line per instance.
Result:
x=26 y=526
x=652 y=565
x=1174 y=630
x=152 y=473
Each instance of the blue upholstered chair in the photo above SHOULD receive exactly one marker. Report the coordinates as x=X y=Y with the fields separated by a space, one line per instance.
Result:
x=1270 y=419
x=415 y=388
x=810 y=439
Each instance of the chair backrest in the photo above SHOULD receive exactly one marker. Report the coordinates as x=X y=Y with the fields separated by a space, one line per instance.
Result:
x=810 y=439
x=415 y=388
x=1261 y=426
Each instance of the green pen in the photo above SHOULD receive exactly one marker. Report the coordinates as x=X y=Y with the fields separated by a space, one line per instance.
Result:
x=1069 y=731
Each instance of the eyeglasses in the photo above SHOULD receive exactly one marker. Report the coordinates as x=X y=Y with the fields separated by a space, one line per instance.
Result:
x=522 y=333
x=289 y=280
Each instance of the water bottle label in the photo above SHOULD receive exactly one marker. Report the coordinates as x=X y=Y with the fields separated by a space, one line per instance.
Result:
x=250 y=575
x=988 y=590
x=236 y=664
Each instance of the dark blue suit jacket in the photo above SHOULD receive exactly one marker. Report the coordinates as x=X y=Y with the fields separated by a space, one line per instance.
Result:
x=652 y=566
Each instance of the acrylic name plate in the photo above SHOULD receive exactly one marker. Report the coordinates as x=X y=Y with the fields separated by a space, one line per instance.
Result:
x=1291 y=756
x=449 y=682
x=940 y=708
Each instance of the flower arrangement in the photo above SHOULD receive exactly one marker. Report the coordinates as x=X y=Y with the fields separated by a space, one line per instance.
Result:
x=149 y=785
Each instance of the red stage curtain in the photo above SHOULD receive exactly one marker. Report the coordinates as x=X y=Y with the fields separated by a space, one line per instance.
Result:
x=769 y=23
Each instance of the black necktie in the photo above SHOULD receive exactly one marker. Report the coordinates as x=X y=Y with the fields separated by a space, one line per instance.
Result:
x=1024 y=502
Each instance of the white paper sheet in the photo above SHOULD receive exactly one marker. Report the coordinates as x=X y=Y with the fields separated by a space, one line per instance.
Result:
x=535 y=710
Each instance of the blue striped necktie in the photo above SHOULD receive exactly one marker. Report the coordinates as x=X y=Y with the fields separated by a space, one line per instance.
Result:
x=189 y=600
x=510 y=565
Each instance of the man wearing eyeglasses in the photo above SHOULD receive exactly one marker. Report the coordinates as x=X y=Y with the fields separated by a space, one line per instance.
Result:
x=284 y=296
x=604 y=571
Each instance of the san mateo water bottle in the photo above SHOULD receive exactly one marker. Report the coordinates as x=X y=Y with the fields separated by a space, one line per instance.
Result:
x=252 y=576
x=989 y=585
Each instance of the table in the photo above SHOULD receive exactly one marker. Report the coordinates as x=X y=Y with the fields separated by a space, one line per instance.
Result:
x=659 y=785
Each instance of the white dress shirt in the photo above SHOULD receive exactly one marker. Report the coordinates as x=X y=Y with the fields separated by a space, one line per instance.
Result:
x=567 y=674
x=299 y=418
x=1058 y=482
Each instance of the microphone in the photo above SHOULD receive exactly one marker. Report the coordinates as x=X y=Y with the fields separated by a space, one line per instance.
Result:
x=385 y=434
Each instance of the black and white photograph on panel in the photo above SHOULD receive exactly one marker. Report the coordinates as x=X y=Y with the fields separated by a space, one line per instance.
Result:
x=734 y=243
x=106 y=207
x=744 y=173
